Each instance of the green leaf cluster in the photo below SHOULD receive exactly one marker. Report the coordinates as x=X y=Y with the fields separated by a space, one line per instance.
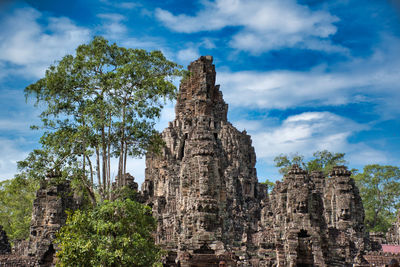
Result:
x=322 y=161
x=270 y=185
x=114 y=233
x=380 y=191
x=16 y=200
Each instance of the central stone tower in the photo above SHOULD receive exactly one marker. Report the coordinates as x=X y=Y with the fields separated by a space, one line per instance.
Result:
x=203 y=188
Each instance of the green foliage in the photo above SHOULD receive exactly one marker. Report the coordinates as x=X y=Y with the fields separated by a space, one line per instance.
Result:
x=270 y=185
x=16 y=200
x=284 y=162
x=380 y=191
x=99 y=104
x=322 y=161
x=114 y=233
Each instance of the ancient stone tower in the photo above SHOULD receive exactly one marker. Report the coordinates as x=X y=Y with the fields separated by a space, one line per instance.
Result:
x=203 y=187
x=48 y=216
x=313 y=220
x=209 y=206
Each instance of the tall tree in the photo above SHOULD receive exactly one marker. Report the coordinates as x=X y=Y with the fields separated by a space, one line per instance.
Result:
x=100 y=104
x=322 y=161
x=380 y=191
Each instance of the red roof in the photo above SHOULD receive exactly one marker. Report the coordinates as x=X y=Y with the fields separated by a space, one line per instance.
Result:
x=391 y=248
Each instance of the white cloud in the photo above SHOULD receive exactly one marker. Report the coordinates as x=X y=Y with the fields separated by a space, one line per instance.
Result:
x=10 y=154
x=265 y=25
x=285 y=89
x=128 y=5
x=112 y=25
x=121 y=5
x=374 y=80
x=308 y=132
x=208 y=43
x=14 y=125
x=248 y=125
x=30 y=47
x=192 y=50
x=188 y=54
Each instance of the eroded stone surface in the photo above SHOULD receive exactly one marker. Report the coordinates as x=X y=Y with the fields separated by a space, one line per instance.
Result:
x=393 y=235
x=47 y=218
x=203 y=188
x=207 y=201
x=5 y=247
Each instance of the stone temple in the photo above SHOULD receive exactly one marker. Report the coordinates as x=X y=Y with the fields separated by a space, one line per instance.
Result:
x=205 y=195
x=210 y=208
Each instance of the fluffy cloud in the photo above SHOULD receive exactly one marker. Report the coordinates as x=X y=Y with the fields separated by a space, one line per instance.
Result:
x=112 y=25
x=374 y=80
x=265 y=25
x=10 y=154
x=188 y=54
x=309 y=132
x=27 y=47
x=286 y=89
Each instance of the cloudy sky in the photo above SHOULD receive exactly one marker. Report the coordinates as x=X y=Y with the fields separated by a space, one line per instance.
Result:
x=298 y=75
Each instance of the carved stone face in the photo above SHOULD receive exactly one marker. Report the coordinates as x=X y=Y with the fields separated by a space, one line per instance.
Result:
x=343 y=209
x=52 y=216
x=301 y=206
x=344 y=214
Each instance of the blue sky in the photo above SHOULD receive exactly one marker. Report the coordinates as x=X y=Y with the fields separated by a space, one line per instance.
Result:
x=299 y=76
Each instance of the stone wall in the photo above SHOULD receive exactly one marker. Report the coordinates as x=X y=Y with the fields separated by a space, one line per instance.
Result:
x=379 y=258
x=12 y=260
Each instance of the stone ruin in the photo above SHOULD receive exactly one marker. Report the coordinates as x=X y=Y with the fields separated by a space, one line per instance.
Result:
x=393 y=235
x=312 y=220
x=209 y=206
x=385 y=247
x=47 y=218
x=203 y=188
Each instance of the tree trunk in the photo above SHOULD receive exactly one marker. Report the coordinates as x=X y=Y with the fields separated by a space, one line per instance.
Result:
x=98 y=168
x=91 y=171
x=104 y=159
x=109 y=158
x=122 y=145
x=125 y=156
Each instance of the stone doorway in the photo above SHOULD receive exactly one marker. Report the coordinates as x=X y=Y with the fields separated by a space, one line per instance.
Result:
x=304 y=250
